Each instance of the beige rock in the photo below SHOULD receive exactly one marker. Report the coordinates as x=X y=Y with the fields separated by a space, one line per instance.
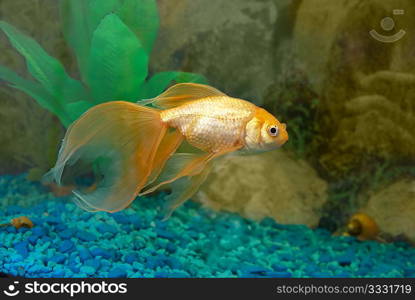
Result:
x=272 y=184
x=367 y=87
x=315 y=31
x=329 y=35
x=234 y=43
x=393 y=208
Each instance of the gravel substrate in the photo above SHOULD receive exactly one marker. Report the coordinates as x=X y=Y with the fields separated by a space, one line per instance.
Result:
x=195 y=242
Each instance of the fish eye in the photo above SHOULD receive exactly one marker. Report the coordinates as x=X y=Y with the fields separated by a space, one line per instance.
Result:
x=273 y=130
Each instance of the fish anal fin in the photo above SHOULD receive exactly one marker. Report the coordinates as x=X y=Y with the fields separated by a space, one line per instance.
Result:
x=179 y=165
x=183 y=164
x=168 y=145
x=183 y=189
x=182 y=93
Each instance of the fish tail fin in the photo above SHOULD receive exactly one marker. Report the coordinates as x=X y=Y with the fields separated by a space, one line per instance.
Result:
x=113 y=145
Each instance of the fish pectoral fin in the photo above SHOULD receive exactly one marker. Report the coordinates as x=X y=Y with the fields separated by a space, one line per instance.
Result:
x=179 y=165
x=144 y=102
x=182 y=93
x=183 y=189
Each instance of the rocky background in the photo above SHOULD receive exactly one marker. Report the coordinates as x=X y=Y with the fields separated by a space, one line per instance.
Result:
x=348 y=100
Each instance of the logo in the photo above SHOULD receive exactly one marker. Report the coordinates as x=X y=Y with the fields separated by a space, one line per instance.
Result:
x=12 y=291
x=388 y=24
x=68 y=288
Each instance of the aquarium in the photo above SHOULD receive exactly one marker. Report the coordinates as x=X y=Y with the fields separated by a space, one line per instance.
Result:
x=199 y=139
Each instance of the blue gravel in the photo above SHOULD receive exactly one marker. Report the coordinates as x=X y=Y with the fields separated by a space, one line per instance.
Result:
x=195 y=242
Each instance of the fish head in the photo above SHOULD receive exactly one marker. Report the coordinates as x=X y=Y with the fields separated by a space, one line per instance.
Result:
x=264 y=132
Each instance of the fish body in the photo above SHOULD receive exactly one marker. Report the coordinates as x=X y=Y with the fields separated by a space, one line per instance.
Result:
x=133 y=148
x=212 y=124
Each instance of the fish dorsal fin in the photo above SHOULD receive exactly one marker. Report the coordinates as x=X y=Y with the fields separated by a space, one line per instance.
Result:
x=182 y=93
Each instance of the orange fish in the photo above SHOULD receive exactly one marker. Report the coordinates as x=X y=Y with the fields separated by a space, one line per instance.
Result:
x=134 y=149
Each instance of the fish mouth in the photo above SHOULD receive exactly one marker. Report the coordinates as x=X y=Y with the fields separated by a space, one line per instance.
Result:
x=281 y=143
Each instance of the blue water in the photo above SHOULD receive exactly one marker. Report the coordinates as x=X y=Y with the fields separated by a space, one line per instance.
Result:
x=195 y=242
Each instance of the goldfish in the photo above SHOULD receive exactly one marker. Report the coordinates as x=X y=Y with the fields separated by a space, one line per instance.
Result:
x=134 y=148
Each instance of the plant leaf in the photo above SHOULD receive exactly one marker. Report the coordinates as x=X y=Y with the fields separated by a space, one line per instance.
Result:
x=76 y=109
x=160 y=81
x=190 y=77
x=118 y=62
x=79 y=20
x=142 y=17
x=36 y=91
x=46 y=69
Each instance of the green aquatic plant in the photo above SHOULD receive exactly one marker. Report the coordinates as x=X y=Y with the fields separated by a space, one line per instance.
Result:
x=112 y=41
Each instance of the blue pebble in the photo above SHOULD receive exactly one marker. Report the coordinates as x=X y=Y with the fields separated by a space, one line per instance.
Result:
x=22 y=248
x=345 y=260
x=97 y=251
x=156 y=261
x=178 y=275
x=121 y=218
x=278 y=274
x=131 y=257
x=171 y=275
x=12 y=210
x=342 y=275
x=85 y=217
x=84 y=253
x=324 y=258
x=136 y=222
x=268 y=222
x=278 y=268
x=171 y=248
x=58 y=258
x=321 y=275
x=117 y=273
x=254 y=269
x=66 y=246
x=33 y=239
x=165 y=234
x=95 y=263
x=59 y=273
x=126 y=227
x=46 y=239
x=161 y=275
x=104 y=228
x=85 y=236
x=22 y=229
x=11 y=229
x=67 y=233
x=52 y=220
x=75 y=269
x=39 y=231
x=249 y=275
x=60 y=227
x=87 y=270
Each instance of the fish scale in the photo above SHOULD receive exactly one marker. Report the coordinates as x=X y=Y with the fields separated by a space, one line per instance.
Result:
x=211 y=124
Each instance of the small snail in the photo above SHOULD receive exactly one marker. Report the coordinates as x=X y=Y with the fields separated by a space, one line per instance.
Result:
x=362 y=227
x=19 y=222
